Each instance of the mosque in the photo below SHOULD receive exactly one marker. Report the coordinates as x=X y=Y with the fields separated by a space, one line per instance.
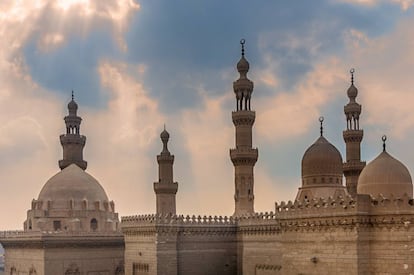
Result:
x=364 y=225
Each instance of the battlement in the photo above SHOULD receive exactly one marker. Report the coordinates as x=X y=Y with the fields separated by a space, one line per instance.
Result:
x=177 y=220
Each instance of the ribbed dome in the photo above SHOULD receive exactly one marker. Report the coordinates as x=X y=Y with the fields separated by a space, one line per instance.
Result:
x=321 y=158
x=387 y=176
x=72 y=183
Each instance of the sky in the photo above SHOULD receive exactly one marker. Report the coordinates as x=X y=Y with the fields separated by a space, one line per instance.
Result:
x=137 y=65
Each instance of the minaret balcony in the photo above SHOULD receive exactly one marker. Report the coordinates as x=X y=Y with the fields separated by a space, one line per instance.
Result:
x=244 y=156
x=243 y=117
x=72 y=139
x=353 y=135
x=353 y=166
x=165 y=187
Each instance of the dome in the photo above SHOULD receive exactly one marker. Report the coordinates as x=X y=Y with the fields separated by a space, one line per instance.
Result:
x=243 y=65
x=387 y=176
x=352 y=92
x=322 y=163
x=164 y=135
x=72 y=183
x=72 y=105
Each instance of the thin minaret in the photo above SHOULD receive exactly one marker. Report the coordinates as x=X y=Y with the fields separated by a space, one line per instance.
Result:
x=244 y=157
x=352 y=136
x=165 y=189
x=72 y=142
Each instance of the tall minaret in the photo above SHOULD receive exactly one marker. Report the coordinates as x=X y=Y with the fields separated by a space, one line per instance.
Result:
x=243 y=156
x=72 y=142
x=165 y=189
x=352 y=137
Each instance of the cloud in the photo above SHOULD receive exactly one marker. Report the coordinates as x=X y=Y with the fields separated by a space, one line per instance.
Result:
x=207 y=137
x=383 y=75
x=289 y=114
x=404 y=4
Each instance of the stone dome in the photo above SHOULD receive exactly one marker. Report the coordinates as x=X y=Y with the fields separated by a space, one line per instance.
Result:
x=243 y=65
x=352 y=92
x=164 y=135
x=72 y=105
x=387 y=176
x=72 y=183
x=322 y=164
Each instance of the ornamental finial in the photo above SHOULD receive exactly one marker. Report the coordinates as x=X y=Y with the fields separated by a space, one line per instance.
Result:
x=321 y=121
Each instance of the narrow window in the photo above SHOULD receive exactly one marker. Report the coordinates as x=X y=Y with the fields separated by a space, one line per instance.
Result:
x=56 y=225
x=94 y=224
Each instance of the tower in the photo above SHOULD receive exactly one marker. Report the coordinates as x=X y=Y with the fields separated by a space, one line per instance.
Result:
x=72 y=142
x=352 y=137
x=243 y=156
x=165 y=189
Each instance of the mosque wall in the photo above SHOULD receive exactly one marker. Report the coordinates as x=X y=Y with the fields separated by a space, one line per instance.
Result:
x=180 y=245
x=207 y=250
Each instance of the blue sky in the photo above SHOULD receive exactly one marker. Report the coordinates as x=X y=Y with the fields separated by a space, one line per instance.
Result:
x=135 y=65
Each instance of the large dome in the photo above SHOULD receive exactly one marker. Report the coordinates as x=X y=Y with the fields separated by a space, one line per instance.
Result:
x=387 y=176
x=321 y=163
x=72 y=183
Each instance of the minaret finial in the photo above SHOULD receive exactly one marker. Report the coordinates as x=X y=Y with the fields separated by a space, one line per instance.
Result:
x=352 y=71
x=73 y=97
x=242 y=42
x=321 y=121
x=384 y=139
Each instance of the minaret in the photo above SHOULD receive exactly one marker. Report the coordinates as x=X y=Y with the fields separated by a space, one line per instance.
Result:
x=165 y=189
x=72 y=142
x=352 y=137
x=243 y=156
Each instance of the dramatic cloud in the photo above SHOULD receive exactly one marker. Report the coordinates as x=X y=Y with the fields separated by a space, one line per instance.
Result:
x=135 y=66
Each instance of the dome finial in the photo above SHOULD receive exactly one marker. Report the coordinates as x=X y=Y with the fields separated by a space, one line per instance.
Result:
x=384 y=139
x=165 y=136
x=352 y=71
x=73 y=97
x=242 y=42
x=321 y=121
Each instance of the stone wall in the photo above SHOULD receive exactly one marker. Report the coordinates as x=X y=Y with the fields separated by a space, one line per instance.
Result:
x=51 y=253
x=180 y=245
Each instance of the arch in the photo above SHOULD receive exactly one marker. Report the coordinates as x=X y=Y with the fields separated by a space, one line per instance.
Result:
x=94 y=224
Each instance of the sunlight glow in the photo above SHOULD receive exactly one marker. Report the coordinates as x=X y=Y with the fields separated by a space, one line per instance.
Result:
x=67 y=4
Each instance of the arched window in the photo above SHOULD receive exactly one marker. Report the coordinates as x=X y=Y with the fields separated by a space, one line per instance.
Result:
x=94 y=224
x=30 y=224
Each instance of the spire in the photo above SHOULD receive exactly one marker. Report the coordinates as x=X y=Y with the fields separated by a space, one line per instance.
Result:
x=72 y=141
x=352 y=90
x=352 y=71
x=321 y=121
x=165 y=136
x=242 y=42
x=243 y=156
x=352 y=109
x=384 y=139
x=165 y=189
x=352 y=136
x=243 y=87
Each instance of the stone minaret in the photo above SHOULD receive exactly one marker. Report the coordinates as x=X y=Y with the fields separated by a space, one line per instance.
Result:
x=165 y=189
x=72 y=142
x=243 y=156
x=352 y=137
